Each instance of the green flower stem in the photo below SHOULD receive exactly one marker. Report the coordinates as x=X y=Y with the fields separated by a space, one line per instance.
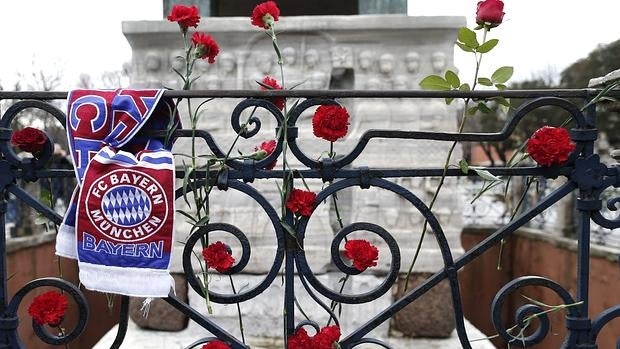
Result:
x=232 y=285
x=447 y=162
x=334 y=304
x=502 y=242
x=274 y=39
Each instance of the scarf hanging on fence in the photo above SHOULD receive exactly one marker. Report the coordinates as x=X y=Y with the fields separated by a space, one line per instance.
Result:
x=120 y=222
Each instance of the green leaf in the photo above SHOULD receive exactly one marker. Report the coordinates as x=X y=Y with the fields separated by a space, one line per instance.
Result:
x=483 y=108
x=435 y=82
x=187 y=215
x=485 y=81
x=502 y=75
x=464 y=47
x=479 y=26
x=503 y=101
x=472 y=110
x=188 y=173
x=449 y=100
x=453 y=79
x=202 y=222
x=464 y=166
x=465 y=87
x=485 y=174
x=500 y=87
x=289 y=229
x=468 y=37
x=487 y=46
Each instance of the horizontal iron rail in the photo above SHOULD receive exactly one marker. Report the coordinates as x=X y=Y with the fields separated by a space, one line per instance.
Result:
x=564 y=93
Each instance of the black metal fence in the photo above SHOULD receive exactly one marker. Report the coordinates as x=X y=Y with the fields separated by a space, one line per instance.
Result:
x=584 y=174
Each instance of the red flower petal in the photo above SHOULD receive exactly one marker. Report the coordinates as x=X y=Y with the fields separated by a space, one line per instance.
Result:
x=218 y=256
x=216 y=344
x=362 y=253
x=273 y=83
x=299 y=340
x=326 y=338
x=490 y=11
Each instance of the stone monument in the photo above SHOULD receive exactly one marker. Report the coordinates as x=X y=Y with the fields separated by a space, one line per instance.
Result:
x=376 y=52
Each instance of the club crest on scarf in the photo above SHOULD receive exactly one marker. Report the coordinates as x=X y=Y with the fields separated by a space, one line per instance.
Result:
x=126 y=205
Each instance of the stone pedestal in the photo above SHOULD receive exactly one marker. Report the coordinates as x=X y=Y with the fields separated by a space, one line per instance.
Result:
x=430 y=316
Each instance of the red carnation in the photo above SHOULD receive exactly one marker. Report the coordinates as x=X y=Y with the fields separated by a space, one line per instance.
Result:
x=550 y=146
x=490 y=12
x=218 y=256
x=326 y=338
x=273 y=83
x=330 y=122
x=301 y=202
x=265 y=14
x=362 y=253
x=186 y=16
x=265 y=149
x=216 y=344
x=206 y=47
x=300 y=340
x=29 y=139
x=48 y=308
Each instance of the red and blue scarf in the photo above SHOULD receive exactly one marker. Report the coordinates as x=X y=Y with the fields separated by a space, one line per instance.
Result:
x=120 y=222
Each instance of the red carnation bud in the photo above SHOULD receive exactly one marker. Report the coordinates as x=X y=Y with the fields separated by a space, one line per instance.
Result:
x=550 y=146
x=265 y=14
x=186 y=16
x=330 y=122
x=301 y=202
x=218 y=256
x=206 y=47
x=264 y=150
x=48 y=308
x=362 y=253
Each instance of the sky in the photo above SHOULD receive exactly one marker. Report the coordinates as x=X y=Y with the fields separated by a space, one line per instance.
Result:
x=72 y=37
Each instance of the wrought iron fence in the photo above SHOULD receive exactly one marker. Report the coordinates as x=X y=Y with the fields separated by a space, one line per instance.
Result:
x=585 y=174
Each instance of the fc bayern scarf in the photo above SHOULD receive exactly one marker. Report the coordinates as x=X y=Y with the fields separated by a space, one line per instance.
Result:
x=120 y=222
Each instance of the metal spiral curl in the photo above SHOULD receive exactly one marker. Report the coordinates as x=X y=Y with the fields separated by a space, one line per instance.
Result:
x=40 y=331
x=527 y=310
x=237 y=268
x=257 y=103
x=605 y=222
x=385 y=286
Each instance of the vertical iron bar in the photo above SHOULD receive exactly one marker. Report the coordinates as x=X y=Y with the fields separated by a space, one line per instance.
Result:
x=4 y=338
x=583 y=261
